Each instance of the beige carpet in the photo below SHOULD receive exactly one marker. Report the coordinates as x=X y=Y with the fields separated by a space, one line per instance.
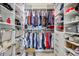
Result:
x=45 y=54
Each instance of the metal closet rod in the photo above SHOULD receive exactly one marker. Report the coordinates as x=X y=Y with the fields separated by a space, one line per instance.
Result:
x=38 y=30
x=39 y=9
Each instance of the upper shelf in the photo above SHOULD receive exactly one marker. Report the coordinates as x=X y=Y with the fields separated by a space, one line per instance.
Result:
x=6 y=10
x=72 y=22
x=72 y=33
x=19 y=9
x=72 y=12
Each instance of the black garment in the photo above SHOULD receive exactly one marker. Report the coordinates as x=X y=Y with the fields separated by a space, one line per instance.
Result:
x=28 y=39
x=77 y=7
x=33 y=40
x=36 y=42
x=62 y=5
x=43 y=39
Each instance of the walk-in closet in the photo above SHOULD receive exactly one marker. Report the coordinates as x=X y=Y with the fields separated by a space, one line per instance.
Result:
x=39 y=29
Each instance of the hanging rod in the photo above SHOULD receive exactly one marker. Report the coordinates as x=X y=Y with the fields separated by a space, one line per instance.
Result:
x=38 y=29
x=39 y=9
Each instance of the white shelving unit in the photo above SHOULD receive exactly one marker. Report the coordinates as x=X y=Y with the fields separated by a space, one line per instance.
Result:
x=5 y=13
x=10 y=48
x=59 y=40
x=68 y=21
x=19 y=15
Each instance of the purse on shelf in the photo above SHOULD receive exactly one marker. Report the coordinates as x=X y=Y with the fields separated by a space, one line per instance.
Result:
x=8 y=6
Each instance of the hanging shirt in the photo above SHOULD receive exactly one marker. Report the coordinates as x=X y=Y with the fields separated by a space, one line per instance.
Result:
x=48 y=18
x=51 y=18
x=33 y=17
x=46 y=41
x=49 y=39
x=40 y=40
x=38 y=19
x=34 y=40
x=29 y=18
x=28 y=39
x=31 y=43
x=26 y=20
x=25 y=41
x=43 y=45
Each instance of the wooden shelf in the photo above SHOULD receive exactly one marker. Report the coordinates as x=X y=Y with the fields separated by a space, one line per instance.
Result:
x=71 y=51
x=73 y=42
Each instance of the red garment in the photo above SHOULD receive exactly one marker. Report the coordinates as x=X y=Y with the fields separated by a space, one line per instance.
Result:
x=51 y=27
x=47 y=43
x=8 y=20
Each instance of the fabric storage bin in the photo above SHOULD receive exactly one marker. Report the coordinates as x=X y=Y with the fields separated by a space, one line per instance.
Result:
x=16 y=33
x=71 y=28
x=8 y=52
x=20 y=32
x=76 y=39
x=17 y=48
x=6 y=35
x=71 y=38
x=78 y=27
x=6 y=44
x=73 y=47
x=0 y=36
x=68 y=45
x=17 y=45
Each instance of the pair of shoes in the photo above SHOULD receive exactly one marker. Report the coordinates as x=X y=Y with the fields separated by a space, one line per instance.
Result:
x=77 y=50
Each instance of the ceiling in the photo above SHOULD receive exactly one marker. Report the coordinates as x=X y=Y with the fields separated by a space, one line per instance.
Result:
x=39 y=6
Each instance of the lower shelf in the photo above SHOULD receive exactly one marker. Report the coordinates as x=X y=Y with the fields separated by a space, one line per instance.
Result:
x=71 y=51
x=72 y=33
x=77 y=44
